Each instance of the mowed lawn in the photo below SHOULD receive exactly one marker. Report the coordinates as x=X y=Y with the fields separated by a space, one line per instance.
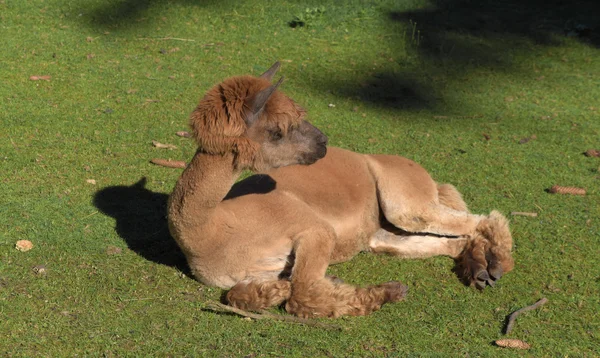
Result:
x=500 y=98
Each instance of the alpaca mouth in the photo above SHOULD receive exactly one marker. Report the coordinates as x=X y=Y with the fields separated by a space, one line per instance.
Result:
x=310 y=158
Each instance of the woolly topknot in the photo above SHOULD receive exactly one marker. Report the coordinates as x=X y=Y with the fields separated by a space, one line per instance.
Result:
x=218 y=122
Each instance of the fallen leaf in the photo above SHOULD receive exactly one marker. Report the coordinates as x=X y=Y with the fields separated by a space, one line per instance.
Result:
x=486 y=136
x=89 y=39
x=91 y=181
x=163 y=146
x=527 y=139
x=40 y=78
x=183 y=134
x=24 y=245
x=40 y=269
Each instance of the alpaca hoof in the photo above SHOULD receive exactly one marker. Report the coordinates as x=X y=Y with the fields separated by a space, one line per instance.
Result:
x=496 y=272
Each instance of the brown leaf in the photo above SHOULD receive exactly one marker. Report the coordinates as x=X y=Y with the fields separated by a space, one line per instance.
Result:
x=163 y=146
x=486 y=136
x=40 y=269
x=40 y=78
x=527 y=139
x=183 y=134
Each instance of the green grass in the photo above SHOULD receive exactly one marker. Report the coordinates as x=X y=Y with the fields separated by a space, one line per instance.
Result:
x=421 y=79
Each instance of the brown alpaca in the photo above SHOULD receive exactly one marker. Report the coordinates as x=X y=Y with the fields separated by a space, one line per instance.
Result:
x=271 y=237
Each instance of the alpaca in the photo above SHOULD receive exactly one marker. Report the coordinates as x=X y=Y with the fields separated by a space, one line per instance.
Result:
x=270 y=238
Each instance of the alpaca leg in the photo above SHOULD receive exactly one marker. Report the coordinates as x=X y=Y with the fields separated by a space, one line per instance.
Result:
x=410 y=199
x=450 y=197
x=314 y=295
x=410 y=246
x=252 y=295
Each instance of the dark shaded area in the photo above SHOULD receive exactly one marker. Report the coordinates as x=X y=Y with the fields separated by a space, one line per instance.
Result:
x=256 y=184
x=141 y=217
x=399 y=91
x=130 y=13
x=454 y=36
x=141 y=220
x=540 y=21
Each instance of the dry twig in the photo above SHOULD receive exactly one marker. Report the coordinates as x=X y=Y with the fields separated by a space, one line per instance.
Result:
x=166 y=38
x=216 y=306
x=169 y=163
x=513 y=316
x=163 y=146
x=521 y=213
x=557 y=189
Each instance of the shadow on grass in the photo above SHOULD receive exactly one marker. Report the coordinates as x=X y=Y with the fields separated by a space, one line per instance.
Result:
x=541 y=21
x=126 y=14
x=452 y=37
x=141 y=220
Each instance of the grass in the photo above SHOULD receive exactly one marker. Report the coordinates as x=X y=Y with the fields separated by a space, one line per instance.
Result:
x=421 y=79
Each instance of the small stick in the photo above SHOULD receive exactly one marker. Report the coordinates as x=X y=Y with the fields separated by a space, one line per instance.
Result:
x=169 y=163
x=163 y=146
x=513 y=316
x=216 y=306
x=557 y=189
x=521 y=213
x=165 y=38
x=183 y=134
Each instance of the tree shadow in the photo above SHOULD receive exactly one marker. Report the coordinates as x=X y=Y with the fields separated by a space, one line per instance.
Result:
x=452 y=37
x=388 y=89
x=127 y=14
x=141 y=220
x=541 y=21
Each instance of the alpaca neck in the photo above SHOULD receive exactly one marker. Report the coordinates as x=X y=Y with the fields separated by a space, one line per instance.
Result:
x=201 y=187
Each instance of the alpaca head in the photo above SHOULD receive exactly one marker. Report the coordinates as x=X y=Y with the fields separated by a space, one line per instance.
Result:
x=262 y=127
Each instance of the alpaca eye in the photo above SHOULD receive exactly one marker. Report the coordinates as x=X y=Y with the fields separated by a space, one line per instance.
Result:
x=276 y=135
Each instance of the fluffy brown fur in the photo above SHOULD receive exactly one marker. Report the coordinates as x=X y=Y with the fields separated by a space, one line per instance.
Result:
x=218 y=122
x=270 y=238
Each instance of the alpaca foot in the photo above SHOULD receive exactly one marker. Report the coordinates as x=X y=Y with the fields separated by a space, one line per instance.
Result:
x=256 y=296
x=487 y=256
x=328 y=299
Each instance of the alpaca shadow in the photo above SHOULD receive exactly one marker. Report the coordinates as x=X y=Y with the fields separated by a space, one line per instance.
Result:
x=141 y=220
x=141 y=217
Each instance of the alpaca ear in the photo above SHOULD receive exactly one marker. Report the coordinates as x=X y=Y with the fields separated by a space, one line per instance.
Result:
x=259 y=101
x=271 y=71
